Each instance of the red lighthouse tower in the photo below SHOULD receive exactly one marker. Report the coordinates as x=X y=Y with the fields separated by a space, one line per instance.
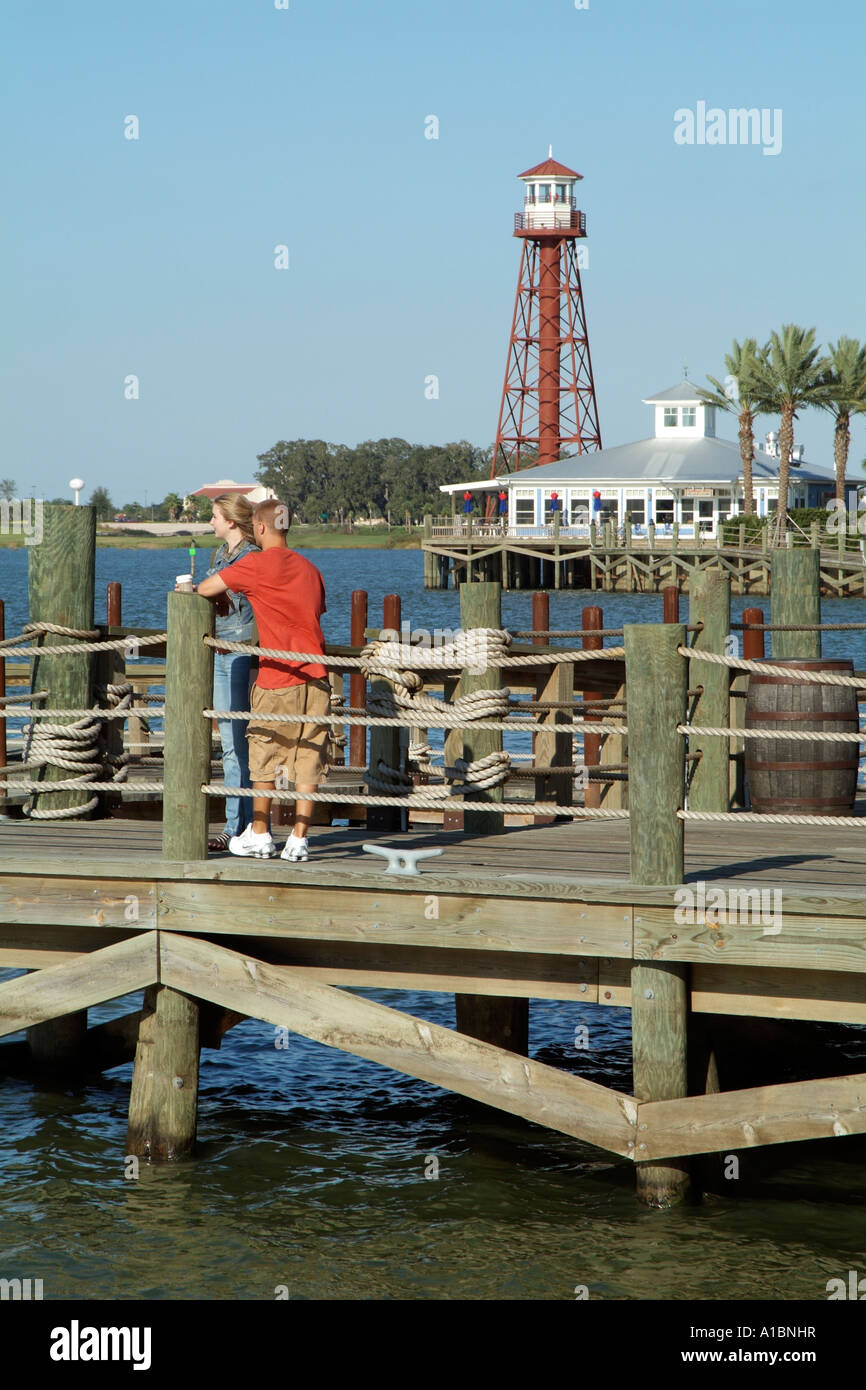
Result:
x=548 y=400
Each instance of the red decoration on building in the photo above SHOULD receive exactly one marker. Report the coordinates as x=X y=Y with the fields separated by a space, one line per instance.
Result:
x=548 y=400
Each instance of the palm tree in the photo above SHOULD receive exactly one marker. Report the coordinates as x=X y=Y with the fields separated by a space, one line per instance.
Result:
x=174 y=505
x=843 y=395
x=789 y=374
x=742 y=397
x=8 y=489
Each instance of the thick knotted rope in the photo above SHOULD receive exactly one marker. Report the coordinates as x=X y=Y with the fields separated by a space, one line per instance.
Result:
x=464 y=776
x=76 y=748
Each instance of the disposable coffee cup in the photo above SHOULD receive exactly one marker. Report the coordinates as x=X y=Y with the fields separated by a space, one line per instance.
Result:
x=185 y=583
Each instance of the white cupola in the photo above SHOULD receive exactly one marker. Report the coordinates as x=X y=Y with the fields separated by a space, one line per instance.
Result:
x=549 y=199
x=681 y=414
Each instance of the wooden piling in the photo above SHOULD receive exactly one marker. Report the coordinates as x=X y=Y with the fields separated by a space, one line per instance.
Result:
x=188 y=690
x=710 y=604
x=795 y=597
x=357 y=682
x=163 y=1102
x=752 y=650
x=552 y=749
x=591 y=618
x=659 y=990
x=499 y=1020
x=61 y=591
x=480 y=606
x=385 y=743
x=110 y=669
x=431 y=567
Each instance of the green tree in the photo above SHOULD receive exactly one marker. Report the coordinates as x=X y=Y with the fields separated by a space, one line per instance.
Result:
x=741 y=396
x=100 y=500
x=8 y=489
x=173 y=505
x=789 y=374
x=843 y=394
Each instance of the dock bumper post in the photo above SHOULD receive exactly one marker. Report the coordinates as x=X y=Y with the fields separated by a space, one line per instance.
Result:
x=657 y=703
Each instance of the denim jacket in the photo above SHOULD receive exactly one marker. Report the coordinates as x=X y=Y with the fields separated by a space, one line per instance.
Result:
x=238 y=624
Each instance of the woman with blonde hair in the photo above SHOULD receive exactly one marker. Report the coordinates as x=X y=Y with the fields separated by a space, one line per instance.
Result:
x=232 y=522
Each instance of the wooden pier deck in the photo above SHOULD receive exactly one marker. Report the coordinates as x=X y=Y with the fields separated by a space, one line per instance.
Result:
x=545 y=911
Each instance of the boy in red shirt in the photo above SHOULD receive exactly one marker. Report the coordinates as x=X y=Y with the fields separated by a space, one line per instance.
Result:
x=287 y=594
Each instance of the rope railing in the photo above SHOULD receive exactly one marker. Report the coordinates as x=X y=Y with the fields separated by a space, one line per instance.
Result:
x=767 y=668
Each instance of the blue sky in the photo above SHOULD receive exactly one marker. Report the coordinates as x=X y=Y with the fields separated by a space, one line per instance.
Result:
x=305 y=127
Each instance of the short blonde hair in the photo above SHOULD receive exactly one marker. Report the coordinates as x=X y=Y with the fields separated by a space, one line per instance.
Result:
x=276 y=515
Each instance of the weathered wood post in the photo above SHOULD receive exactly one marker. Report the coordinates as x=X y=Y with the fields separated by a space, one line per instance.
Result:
x=670 y=604
x=494 y=1019
x=61 y=591
x=557 y=686
x=188 y=690
x=385 y=742
x=591 y=620
x=753 y=650
x=431 y=568
x=357 y=683
x=163 y=1102
x=110 y=669
x=659 y=991
x=710 y=604
x=557 y=521
x=795 y=597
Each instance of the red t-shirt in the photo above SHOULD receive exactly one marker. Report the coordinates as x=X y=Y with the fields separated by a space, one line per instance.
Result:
x=288 y=598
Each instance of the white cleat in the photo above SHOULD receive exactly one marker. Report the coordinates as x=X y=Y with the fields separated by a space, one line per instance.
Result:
x=296 y=850
x=253 y=846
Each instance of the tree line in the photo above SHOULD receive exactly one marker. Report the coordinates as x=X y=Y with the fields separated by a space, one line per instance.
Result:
x=786 y=374
x=332 y=482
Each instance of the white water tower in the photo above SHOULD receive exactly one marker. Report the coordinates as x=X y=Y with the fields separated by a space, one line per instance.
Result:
x=76 y=484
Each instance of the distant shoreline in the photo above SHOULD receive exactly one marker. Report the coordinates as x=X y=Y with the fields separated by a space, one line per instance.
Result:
x=300 y=538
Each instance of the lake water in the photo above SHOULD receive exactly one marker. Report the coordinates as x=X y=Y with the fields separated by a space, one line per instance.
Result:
x=310 y=1170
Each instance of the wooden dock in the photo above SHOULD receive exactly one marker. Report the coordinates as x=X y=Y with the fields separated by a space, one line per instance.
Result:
x=629 y=899
x=616 y=561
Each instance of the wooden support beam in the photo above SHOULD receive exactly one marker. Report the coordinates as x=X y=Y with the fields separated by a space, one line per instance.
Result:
x=483 y=1072
x=163 y=1102
x=710 y=604
x=795 y=597
x=188 y=690
x=657 y=697
x=62 y=989
x=794 y=1111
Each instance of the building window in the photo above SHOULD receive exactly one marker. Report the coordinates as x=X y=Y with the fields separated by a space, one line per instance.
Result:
x=530 y=193
x=671 y=416
x=635 y=511
x=690 y=415
x=698 y=510
x=560 y=192
x=524 y=511
x=664 y=511
x=544 y=192
x=579 y=511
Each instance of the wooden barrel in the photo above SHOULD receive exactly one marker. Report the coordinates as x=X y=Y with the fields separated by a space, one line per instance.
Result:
x=808 y=778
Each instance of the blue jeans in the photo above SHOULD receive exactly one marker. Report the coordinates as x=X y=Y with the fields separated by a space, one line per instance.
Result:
x=231 y=677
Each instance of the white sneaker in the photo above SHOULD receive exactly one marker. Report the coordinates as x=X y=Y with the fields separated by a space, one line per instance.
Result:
x=253 y=845
x=296 y=849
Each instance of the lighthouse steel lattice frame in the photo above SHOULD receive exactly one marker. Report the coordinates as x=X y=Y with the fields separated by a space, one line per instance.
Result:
x=548 y=400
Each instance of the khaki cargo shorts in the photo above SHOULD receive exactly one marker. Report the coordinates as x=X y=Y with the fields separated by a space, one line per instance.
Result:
x=301 y=750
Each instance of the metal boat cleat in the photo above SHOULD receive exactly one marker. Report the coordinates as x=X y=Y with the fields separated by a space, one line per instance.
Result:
x=402 y=861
